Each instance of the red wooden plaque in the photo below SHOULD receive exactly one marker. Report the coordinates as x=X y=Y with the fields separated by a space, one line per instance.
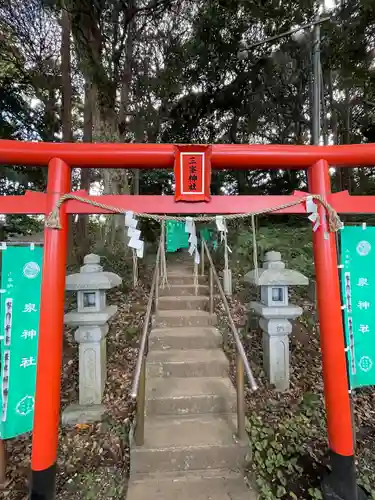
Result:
x=192 y=171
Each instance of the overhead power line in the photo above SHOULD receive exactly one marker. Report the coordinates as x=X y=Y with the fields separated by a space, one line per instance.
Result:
x=246 y=48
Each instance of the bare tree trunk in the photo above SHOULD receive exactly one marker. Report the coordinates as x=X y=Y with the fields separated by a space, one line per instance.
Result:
x=90 y=43
x=125 y=90
x=136 y=181
x=83 y=220
x=334 y=125
x=127 y=78
x=116 y=181
x=90 y=94
x=362 y=185
x=332 y=106
x=325 y=125
x=241 y=175
x=66 y=91
x=347 y=172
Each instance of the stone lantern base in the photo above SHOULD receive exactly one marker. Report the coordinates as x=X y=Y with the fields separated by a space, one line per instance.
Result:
x=276 y=351
x=92 y=363
x=92 y=376
x=80 y=414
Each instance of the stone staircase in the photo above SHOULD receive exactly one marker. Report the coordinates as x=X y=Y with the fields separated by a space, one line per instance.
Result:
x=190 y=451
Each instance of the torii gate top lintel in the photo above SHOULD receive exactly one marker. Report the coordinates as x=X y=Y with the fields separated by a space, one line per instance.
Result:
x=144 y=156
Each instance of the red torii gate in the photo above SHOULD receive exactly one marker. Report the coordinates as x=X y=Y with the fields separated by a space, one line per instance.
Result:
x=59 y=158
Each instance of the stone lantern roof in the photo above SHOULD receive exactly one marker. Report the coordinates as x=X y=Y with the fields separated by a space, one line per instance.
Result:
x=92 y=276
x=274 y=273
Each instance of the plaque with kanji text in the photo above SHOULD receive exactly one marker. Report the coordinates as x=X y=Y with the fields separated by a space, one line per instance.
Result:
x=192 y=172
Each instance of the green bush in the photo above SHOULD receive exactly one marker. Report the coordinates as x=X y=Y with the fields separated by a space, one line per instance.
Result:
x=283 y=447
x=294 y=243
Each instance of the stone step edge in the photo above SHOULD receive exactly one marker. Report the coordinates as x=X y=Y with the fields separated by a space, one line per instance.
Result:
x=188 y=285
x=226 y=488
x=183 y=312
x=186 y=476
x=195 y=380
x=235 y=441
x=213 y=417
x=194 y=329
x=178 y=449
x=203 y=352
x=179 y=298
x=179 y=274
x=244 y=444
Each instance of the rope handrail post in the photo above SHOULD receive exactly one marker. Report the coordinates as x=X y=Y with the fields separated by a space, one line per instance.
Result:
x=211 y=290
x=225 y=340
x=138 y=390
x=242 y=363
x=202 y=257
x=141 y=396
x=241 y=410
x=240 y=348
x=157 y=280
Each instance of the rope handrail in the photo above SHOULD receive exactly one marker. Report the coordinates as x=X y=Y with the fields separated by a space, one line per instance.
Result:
x=334 y=222
x=143 y=343
x=239 y=346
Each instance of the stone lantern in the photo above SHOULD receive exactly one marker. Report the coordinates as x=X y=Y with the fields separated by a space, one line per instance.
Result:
x=274 y=312
x=91 y=319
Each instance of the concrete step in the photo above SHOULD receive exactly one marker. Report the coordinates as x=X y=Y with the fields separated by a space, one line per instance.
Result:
x=187 y=363
x=218 y=484
x=173 y=396
x=178 y=290
x=185 y=278
x=185 y=338
x=189 y=302
x=182 y=270
x=170 y=319
x=189 y=443
x=181 y=267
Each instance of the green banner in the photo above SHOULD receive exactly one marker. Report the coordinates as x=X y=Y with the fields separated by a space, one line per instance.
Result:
x=176 y=236
x=19 y=319
x=358 y=294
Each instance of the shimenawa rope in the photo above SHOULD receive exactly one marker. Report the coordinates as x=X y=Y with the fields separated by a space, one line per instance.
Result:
x=53 y=220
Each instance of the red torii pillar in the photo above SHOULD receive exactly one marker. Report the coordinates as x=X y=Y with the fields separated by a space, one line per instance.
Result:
x=341 y=483
x=51 y=329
